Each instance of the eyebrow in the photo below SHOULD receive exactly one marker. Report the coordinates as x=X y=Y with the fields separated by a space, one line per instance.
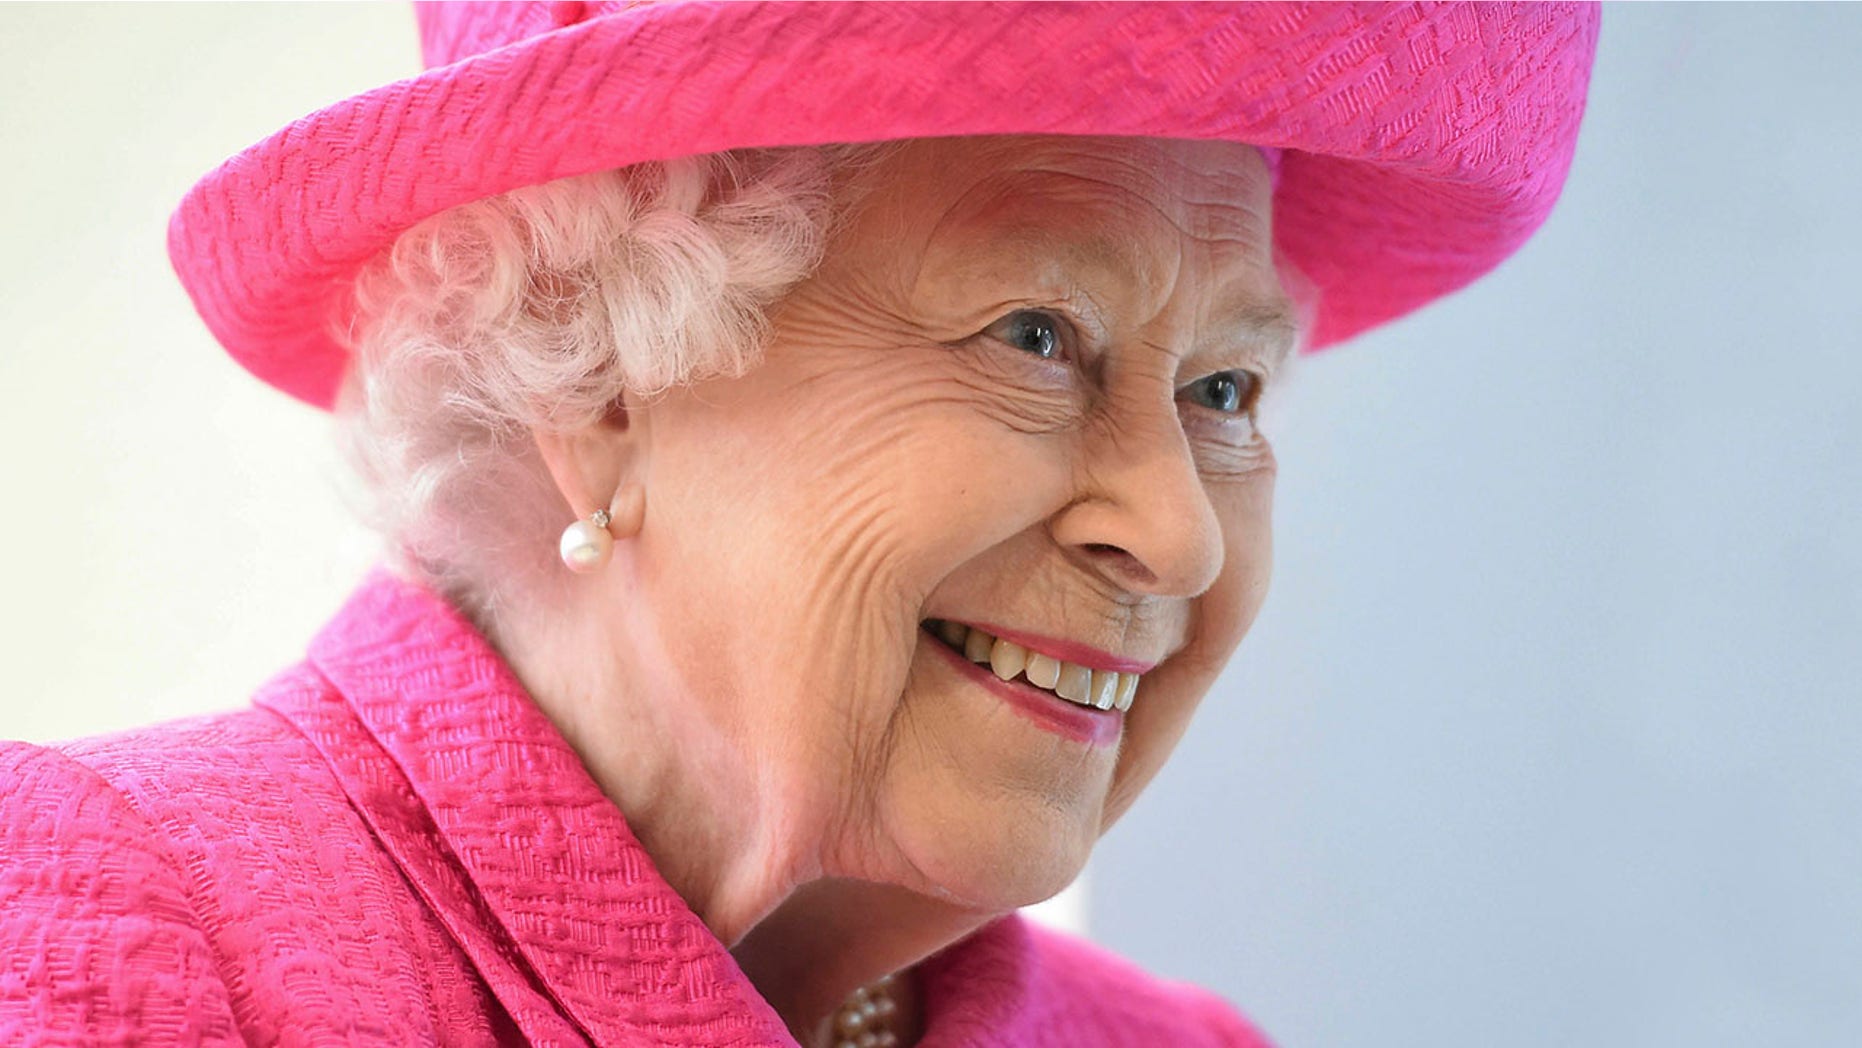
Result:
x=1271 y=326
x=1271 y=330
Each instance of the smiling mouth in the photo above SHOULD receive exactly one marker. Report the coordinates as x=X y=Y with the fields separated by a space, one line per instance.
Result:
x=1068 y=681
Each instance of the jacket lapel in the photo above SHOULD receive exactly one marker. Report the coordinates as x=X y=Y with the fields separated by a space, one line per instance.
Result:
x=494 y=819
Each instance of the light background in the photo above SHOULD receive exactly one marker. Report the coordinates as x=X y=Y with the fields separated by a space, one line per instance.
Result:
x=1549 y=734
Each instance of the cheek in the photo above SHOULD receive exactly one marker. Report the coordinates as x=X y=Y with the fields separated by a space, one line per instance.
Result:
x=891 y=470
x=921 y=463
x=1247 y=510
x=1170 y=694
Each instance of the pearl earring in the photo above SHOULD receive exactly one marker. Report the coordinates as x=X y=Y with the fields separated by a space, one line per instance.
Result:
x=586 y=544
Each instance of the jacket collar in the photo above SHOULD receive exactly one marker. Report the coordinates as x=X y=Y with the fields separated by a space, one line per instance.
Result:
x=494 y=820
x=533 y=871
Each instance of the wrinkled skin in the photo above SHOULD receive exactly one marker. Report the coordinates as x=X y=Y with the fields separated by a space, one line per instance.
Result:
x=747 y=676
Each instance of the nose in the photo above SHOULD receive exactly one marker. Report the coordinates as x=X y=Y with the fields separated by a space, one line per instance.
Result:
x=1143 y=518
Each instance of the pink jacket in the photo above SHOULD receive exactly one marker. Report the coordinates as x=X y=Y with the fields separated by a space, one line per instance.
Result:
x=395 y=847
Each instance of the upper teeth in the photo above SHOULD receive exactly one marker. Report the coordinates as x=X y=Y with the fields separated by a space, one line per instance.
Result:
x=1100 y=689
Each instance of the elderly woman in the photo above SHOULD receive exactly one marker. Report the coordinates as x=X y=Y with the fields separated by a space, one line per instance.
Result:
x=800 y=552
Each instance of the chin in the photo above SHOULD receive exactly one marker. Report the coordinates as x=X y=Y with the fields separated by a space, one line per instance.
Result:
x=1003 y=861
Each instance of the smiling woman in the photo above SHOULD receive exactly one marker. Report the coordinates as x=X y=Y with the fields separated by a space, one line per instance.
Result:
x=894 y=459
x=798 y=555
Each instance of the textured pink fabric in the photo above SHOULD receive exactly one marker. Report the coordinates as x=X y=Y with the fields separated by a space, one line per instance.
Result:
x=395 y=847
x=1423 y=142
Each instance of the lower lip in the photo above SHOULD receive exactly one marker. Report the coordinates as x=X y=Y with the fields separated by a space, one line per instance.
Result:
x=1091 y=726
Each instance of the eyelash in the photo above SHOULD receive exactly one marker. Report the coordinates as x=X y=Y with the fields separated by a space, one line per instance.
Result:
x=1064 y=337
x=1248 y=395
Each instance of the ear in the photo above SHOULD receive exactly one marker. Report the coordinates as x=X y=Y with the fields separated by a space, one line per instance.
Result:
x=600 y=466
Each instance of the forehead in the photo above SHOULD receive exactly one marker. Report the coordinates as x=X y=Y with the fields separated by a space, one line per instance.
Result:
x=1150 y=220
x=1215 y=190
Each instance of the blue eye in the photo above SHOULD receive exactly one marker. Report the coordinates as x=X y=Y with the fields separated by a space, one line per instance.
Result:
x=1230 y=392
x=1030 y=331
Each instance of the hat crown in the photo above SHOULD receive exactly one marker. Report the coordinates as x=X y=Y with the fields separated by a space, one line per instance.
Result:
x=452 y=30
x=1424 y=142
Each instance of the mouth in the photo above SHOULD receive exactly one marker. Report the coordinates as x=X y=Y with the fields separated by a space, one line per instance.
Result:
x=1092 y=689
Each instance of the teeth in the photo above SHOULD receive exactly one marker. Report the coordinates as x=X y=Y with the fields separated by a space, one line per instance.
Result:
x=1127 y=690
x=1043 y=670
x=1075 y=683
x=1007 y=658
x=1096 y=689
x=976 y=646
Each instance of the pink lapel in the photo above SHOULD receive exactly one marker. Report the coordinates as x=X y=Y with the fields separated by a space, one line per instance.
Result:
x=495 y=821
x=982 y=990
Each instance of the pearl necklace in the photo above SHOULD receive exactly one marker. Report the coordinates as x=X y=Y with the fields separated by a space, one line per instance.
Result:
x=865 y=1019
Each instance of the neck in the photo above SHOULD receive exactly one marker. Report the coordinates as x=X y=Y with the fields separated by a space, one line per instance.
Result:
x=744 y=864
x=832 y=936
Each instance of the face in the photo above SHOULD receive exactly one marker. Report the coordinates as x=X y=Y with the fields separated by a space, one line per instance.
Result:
x=1016 y=396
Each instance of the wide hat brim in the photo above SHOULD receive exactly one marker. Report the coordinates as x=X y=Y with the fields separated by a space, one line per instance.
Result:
x=1423 y=143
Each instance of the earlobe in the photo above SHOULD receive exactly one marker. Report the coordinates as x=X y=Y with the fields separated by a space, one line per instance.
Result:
x=591 y=468
x=587 y=544
x=627 y=511
x=591 y=463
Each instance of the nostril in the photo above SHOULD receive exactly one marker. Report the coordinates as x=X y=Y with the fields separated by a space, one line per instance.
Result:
x=1122 y=561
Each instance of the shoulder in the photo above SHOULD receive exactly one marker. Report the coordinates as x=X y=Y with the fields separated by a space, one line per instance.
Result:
x=1130 y=1004
x=186 y=876
x=100 y=935
x=121 y=791
x=186 y=783
x=210 y=774
x=146 y=795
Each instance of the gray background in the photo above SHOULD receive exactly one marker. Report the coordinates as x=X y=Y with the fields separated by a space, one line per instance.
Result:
x=1548 y=734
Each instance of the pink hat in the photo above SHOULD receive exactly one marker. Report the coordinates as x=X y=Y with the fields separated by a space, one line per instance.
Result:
x=1422 y=143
